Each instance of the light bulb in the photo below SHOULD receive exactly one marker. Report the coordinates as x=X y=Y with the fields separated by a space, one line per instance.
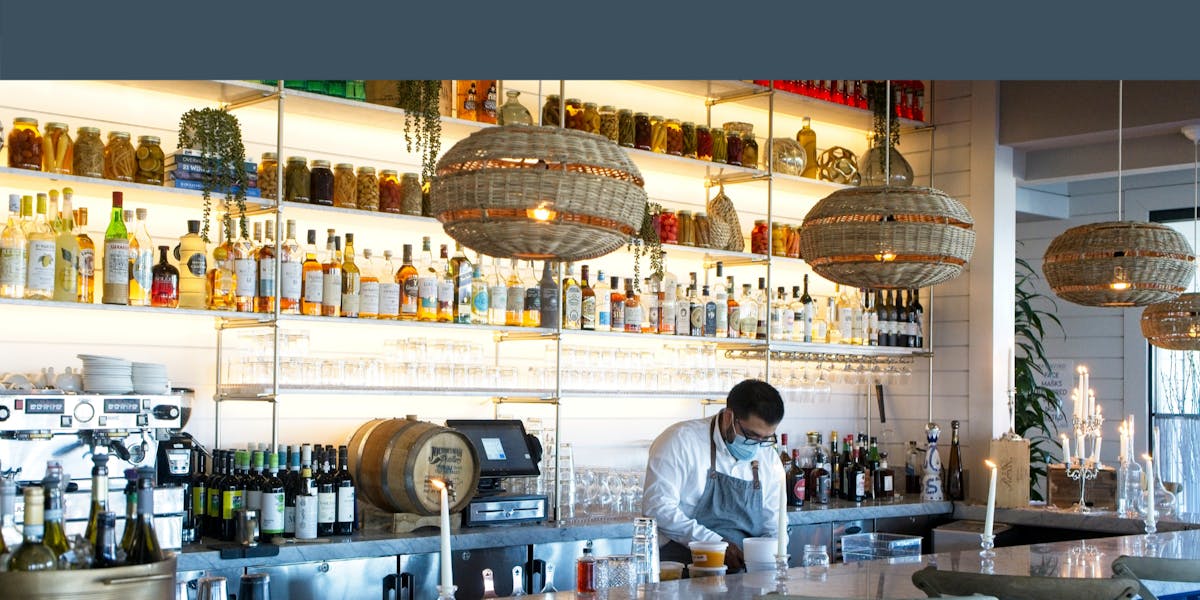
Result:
x=542 y=213
x=1119 y=282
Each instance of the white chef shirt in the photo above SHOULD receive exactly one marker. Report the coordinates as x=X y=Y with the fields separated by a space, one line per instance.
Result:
x=678 y=471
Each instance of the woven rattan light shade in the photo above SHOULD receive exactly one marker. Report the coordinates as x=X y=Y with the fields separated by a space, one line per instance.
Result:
x=1174 y=324
x=542 y=193
x=1155 y=261
x=888 y=237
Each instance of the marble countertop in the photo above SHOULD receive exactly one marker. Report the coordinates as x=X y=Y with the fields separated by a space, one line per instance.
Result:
x=892 y=578
x=843 y=510
x=1098 y=521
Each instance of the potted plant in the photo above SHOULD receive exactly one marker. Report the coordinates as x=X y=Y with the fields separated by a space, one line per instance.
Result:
x=1036 y=406
x=422 y=120
x=217 y=136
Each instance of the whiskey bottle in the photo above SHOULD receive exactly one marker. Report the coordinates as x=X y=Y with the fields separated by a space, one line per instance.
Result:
x=427 y=285
x=331 y=276
x=549 y=294
x=409 y=280
x=390 y=289
x=633 y=308
x=246 y=273
x=572 y=300
x=351 y=291
x=616 y=302
x=587 y=302
x=264 y=302
x=291 y=271
x=222 y=277
x=368 y=303
x=313 y=279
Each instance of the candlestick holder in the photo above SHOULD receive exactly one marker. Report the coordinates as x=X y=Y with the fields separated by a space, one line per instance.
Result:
x=1082 y=469
x=987 y=566
x=781 y=569
x=987 y=542
x=1012 y=435
x=446 y=594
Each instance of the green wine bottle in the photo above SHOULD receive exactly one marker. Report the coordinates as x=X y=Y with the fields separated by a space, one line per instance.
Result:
x=131 y=500
x=32 y=554
x=144 y=549
x=104 y=551
x=55 y=536
x=99 y=492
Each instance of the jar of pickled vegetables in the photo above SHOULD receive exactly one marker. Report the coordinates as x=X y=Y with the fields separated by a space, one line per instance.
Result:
x=551 y=111
x=56 y=149
x=345 y=186
x=296 y=180
x=700 y=229
x=119 y=161
x=749 y=150
x=410 y=194
x=88 y=159
x=268 y=175
x=389 y=191
x=591 y=117
x=793 y=245
x=25 y=144
x=779 y=239
x=733 y=146
x=658 y=134
x=666 y=223
x=320 y=188
x=574 y=109
x=610 y=126
x=719 y=145
x=627 y=129
x=367 y=195
x=687 y=231
x=688 y=129
x=149 y=160
x=643 y=132
x=704 y=143
x=758 y=237
x=674 y=133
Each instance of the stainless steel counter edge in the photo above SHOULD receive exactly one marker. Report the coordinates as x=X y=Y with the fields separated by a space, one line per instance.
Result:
x=1100 y=522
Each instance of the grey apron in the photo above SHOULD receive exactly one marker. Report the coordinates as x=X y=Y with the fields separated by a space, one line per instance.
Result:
x=731 y=507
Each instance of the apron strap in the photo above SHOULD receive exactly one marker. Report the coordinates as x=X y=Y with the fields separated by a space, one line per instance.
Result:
x=712 y=447
x=754 y=468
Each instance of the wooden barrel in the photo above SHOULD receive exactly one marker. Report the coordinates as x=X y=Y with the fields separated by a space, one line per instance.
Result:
x=392 y=461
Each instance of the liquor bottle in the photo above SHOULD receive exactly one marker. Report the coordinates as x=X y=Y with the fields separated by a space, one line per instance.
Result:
x=862 y=301
x=585 y=572
x=785 y=452
x=343 y=486
x=12 y=252
x=721 y=298
x=809 y=306
x=145 y=548
x=8 y=519
x=695 y=310
x=616 y=304
x=808 y=140
x=264 y=302
x=514 y=304
x=86 y=280
x=955 y=489
x=446 y=287
x=272 y=500
x=39 y=256
x=199 y=491
x=407 y=293
x=480 y=304
x=818 y=484
x=427 y=286
x=33 y=554
x=931 y=473
x=312 y=280
x=306 y=499
x=835 y=466
x=105 y=553
x=164 y=286
x=885 y=321
x=858 y=478
x=902 y=321
x=331 y=277
x=351 y=282
x=710 y=312
x=233 y=490
x=651 y=307
x=551 y=317
x=368 y=302
x=668 y=304
x=796 y=308
x=99 y=492
x=762 y=302
x=497 y=295
x=222 y=277
x=632 y=307
x=66 y=254
x=291 y=271
x=912 y=469
x=735 y=309
x=873 y=318
x=603 y=303
x=820 y=328
x=777 y=307
x=254 y=482
x=885 y=478
x=747 y=313
x=532 y=314
x=587 y=301
x=326 y=495
x=141 y=262
x=918 y=315
x=796 y=482
x=55 y=533
x=572 y=300
x=464 y=275
x=834 y=333
x=874 y=462
x=845 y=313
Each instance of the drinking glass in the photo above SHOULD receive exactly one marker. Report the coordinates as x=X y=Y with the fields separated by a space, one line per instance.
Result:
x=620 y=571
x=815 y=561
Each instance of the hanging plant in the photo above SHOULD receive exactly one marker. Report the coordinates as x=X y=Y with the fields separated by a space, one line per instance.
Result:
x=422 y=121
x=877 y=102
x=647 y=243
x=217 y=136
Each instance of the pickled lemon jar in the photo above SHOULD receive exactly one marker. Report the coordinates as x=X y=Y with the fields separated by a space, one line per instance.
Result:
x=25 y=144
x=88 y=154
x=296 y=179
x=120 y=164
x=345 y=186
x=56 y=149
x=268 y=175
x=149 y=160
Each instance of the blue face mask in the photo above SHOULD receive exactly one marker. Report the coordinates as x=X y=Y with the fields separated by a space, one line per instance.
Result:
x=740 y=449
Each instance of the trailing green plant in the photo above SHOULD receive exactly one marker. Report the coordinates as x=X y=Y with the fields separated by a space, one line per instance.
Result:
x=217 y=135
x=877 y=102
x=422 y=120
x=647 y=243
x=1036 y=406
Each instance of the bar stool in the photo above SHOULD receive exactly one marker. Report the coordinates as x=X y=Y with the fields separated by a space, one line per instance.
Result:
x=1139 y=568
x=1022 y=587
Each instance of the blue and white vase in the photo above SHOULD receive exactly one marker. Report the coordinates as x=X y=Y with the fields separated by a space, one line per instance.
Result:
x=931 y=481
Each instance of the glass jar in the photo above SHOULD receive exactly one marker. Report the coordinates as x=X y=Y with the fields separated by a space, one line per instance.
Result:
x=410 y=194
x=625 y=123
x=268 y=175
x=689 y=139
x=296 y=179
x=666 y=223
x=643 y=132
x=700 y=230
x=149 y=160
x=718 y=145
x=320 y=188
x=551 y=111
x=88 y=159
x=733 y=147
x=119 y=161
x=793 y=246
x=610 y=126
x=345 y=186
x=512 y=112
x=389 y=191
x=674 y=133
x=758 y=237
x=704 y=143
x=25 y=144
x=658 y=134
x=749 y=151
x=367 y=194
x=686 y=228
x=56 y=149
x=591 y=118
x=575 y=114
x=779 y=239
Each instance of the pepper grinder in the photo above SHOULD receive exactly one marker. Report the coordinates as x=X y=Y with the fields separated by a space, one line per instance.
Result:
x=931 y=481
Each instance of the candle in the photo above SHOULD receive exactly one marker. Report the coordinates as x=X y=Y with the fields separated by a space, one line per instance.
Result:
x=1091 y=405
x=1066 y=444
x=1075 y=412
x=1150 y=516
x=1012 y=369
x=991 y=501
x=781 y=525
x=447 y=573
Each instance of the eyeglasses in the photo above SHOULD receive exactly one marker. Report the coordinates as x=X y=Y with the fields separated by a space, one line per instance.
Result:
x=753 y=439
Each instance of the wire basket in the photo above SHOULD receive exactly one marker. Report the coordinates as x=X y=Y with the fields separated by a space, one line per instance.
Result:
x=542 y=193
x=1174 y=324
x=1119 y=263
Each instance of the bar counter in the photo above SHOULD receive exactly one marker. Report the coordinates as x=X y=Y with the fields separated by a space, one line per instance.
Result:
x=892 y=578
x=1099 y=521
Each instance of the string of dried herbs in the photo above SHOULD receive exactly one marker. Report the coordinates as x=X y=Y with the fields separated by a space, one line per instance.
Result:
x=217 y=136
x=422 y=120
x=647 y=243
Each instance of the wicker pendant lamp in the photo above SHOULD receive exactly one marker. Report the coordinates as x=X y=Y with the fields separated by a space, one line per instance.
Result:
x=889 y=236
x=1175 y=324
x=544 y=193
x=1119 y=263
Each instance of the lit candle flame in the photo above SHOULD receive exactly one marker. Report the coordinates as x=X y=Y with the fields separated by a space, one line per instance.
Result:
x=990 y=464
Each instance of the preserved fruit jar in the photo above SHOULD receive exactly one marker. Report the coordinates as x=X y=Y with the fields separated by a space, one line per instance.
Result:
x=25 y=145
x=666 y=223
x=345 y=186
x=627 y=129
x=733 y=147
x=320 y=188
x=779 y=239
x=574 y=109
x=552 y=111
x=591 y=118
x=296 y=179
x=389 y=191
x=674 y=134
x=704 y=143
x=56 y=149
x=758 y=238
x=119 y=160
x=368 y=189
x=149 y=160
x=88 y=159
x=268 y=175
x=643 y=131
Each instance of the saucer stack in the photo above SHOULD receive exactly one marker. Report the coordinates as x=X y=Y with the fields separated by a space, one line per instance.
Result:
x=150 y=378
x=106 y=374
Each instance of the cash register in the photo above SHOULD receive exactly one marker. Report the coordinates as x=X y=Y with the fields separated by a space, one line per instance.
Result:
x=504 y=450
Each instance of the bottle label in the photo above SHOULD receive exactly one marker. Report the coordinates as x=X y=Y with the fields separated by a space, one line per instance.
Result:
x=326 y=507
x=350 y=304
x=735 y=322
x=291 y=280
x=306 y=517
x=143 y=267
x=199 y=501
x=230 y=501
x=667 y=318
x=87 y=262
x=116 y=262
x=887 y=483
x=587 y=316
x=463 y=291
x=427 y=294
x=515 y=302
x=722 y=317
x=618 y=316
x=197 y=264
x=332 y=281
x=654 y=316
x=683 y=318
x=272 y=515
x=289 y=519
x=697 y=323
x=214 y=502
x=573 y=304
x=710 y=319
x=788 y=323
x=389 y=300
x=266 y=277
x=247 y=277
x=368 y=302
x=345 y=505
x=40 y=270
x=603 y=311
x=411 y=296
x=633 y=318
x=314 y=287
x=480 y=303
x=498 y=298
x=64 y=271
x=798 y=490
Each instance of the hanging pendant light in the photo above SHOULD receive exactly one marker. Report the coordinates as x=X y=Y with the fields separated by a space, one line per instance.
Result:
x=1175 y=324
x=888 y=236
x=1119 y=263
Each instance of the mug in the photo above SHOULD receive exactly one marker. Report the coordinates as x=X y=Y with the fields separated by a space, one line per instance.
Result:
x=211 y=588
x=247 y=526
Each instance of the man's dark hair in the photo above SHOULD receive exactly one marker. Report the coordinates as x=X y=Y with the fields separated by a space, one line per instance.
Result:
x=757 y=397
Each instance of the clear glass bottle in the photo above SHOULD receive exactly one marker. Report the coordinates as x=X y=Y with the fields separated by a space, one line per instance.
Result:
x=389 y=288
x=480 y=305
x=446 y=286
x=514 y=306
x=368 y=303
x=264 y=300
x=291 y=271
x=497 y=295
x=931 y=478
x=12 y=252
x=141 y=262
x=312 y=279
x=427 y=285
x=351 y=281
x=331 y=276
x=512 y=112
x=875 y=163
x=39 y=255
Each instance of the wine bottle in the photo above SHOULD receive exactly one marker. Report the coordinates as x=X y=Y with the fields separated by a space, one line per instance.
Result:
x=55 y=532
x=116 y=255
x=105 y=553
x=344 y=487
x=233 y=488
x=144 y=548
x=306 y=499
x=273 y=500
x=199 y=491
x=326 y=496
x=39 y=255
x=254 y=483
x=918 y=314
x=954 y=469
x=212 y=513
x=551 y=315
x=796 y=483
x=12 y=252
x=33 y=554
x=99 y=492
x=131 y=492
x=291 y=487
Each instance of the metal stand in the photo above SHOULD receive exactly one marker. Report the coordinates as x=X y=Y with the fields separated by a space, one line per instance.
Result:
x=1012 y=435
x=1082 y=469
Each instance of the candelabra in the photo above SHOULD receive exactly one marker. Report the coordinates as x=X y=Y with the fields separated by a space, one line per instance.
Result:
x=1081 y=468
x=1012 y=435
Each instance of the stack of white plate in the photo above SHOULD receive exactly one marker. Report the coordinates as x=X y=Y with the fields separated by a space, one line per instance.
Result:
x=106 y=374
x=150 y=378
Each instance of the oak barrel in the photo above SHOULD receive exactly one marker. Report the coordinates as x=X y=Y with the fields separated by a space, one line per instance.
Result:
x=392 y=461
